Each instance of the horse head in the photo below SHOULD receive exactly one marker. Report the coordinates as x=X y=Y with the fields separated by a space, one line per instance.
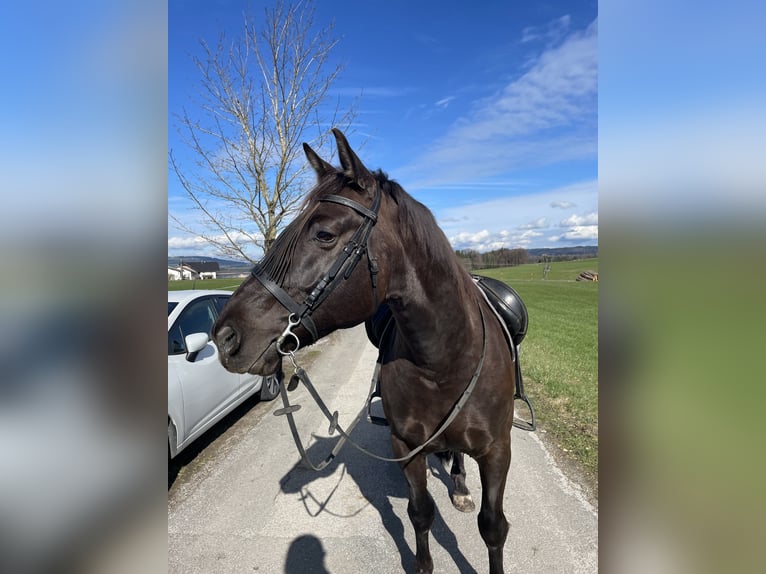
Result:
x=321 y=273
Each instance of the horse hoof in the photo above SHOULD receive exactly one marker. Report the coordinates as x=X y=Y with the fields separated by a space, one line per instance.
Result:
x=463 y=502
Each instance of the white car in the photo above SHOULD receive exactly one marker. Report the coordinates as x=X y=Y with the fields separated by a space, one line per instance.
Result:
x=200 y=391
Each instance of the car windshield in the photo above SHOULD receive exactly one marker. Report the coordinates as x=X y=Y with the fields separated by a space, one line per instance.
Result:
x=171 y=306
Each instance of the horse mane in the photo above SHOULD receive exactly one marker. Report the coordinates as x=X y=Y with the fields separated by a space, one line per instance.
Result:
x=419 y=227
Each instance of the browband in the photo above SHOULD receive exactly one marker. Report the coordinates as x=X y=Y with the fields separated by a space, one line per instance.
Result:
x=368 y=213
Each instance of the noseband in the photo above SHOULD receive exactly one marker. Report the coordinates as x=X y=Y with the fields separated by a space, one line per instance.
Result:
x=300 y=313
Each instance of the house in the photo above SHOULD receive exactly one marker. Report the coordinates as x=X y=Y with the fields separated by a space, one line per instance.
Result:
x=204 y=269
x=194 y=270
x=174 y=274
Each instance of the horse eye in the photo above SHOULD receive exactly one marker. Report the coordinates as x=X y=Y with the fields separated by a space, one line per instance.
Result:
x=324 y=236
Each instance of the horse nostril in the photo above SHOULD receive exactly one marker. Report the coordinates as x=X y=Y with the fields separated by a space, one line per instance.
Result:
x=227 y=339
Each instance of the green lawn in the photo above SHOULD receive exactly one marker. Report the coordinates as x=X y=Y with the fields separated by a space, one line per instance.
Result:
x=227 y=284
x=559 y=357
x=559 y=271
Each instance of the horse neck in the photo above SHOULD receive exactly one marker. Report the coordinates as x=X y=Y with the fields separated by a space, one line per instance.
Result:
x=436 y=312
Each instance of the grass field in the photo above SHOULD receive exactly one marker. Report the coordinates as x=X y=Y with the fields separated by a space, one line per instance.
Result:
x=559 y=357
x=226 y=284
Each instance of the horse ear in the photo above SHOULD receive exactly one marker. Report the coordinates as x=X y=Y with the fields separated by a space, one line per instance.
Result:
x=352 y=165
x=320 y=166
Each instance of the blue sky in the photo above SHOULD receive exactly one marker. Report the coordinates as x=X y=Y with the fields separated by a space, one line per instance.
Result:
x=488 y=116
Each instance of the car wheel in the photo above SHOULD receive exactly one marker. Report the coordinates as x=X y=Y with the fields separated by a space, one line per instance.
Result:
x=269 y=388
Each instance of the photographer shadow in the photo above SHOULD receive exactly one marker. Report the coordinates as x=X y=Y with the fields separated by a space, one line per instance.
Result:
x=378 y=482
x=306 y=556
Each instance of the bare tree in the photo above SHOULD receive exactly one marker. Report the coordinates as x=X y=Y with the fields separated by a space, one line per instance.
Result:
x=261 y=96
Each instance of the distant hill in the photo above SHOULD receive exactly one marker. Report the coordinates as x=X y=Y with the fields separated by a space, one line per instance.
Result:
x=222 y=263
x=578 y=252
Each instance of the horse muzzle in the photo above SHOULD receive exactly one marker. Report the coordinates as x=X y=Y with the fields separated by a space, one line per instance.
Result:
x=228 y=341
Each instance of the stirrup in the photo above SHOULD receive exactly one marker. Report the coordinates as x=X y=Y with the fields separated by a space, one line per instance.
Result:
x=374 y=419
x=371 y=418
x=521 y=423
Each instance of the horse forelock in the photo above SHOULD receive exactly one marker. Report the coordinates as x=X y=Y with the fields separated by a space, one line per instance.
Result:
x=277 y=260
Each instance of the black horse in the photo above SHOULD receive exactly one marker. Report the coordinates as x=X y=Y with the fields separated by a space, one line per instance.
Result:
x=447 y=349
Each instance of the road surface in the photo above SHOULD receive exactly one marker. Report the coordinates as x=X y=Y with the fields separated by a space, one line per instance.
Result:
x=243 y=503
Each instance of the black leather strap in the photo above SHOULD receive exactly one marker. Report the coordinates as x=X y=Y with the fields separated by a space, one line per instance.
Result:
x=368 y=213
x=288 y=303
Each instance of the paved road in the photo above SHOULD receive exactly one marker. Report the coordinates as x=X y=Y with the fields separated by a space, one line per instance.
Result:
x=244 y=504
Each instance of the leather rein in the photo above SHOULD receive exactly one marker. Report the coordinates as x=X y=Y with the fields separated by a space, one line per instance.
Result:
x=300 y=375
x=300 y=314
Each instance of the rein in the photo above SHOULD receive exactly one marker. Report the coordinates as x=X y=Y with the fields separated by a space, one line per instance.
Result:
x=300 y=375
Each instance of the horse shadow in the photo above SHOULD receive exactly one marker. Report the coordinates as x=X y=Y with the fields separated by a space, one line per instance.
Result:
x=379 y=482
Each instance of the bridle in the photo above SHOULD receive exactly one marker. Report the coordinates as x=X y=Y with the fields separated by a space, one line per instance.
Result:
x=358 y=245
x=300 y=314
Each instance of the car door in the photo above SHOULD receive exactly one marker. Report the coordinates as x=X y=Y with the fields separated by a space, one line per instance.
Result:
x=247 y=382
x=206 y=387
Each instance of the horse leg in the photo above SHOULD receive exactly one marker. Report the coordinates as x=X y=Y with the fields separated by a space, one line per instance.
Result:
x=493 y=526
x=461 y=497
x=420 y=507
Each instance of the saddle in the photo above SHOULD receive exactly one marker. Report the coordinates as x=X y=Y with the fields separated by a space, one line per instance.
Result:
x=509 y=308
x=508 y=305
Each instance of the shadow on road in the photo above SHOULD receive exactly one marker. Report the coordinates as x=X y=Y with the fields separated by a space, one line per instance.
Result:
x=306 y=556
x=379 y=482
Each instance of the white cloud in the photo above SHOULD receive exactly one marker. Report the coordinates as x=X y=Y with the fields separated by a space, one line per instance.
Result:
x=186 y=242
x=189 y=242
x=465 y=238
x=551 y=32
x=486 y=241
x=537 y=224
x=444 y=102
x=579 y=233
x=545 y=116
x=522 y=221
x=562 y=204
x=580 y=220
